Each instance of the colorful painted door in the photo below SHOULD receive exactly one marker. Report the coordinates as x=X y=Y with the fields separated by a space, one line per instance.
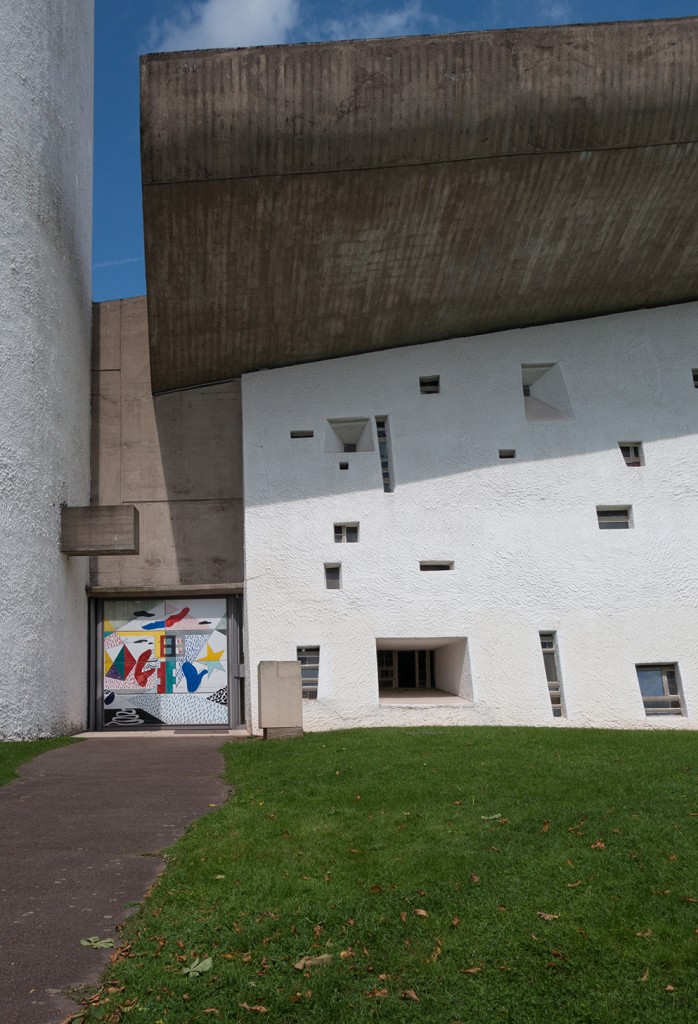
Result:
x=165 y=662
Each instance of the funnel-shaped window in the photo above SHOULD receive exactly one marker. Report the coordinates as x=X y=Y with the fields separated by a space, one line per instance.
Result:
x=545 y=394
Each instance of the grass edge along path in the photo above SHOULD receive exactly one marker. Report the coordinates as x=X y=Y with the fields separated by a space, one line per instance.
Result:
x=435 y=875
x=14 y=753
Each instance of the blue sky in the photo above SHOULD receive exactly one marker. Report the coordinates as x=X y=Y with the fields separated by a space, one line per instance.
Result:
x=126 y=28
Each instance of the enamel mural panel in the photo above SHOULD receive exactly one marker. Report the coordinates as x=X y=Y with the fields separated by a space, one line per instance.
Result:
x=165 y=662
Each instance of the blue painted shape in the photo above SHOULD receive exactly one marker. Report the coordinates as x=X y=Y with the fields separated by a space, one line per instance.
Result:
x=109 y=697
x=192 y=677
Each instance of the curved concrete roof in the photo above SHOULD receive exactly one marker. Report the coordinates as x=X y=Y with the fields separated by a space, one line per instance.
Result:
x=309 y=201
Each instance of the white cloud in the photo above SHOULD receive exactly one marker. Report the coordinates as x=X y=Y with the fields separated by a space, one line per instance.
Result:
x=227 y=23
x=405 y=20
x=207 y=24
x=556 y=11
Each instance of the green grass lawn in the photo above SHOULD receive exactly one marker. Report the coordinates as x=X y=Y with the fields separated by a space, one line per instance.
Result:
x=12 y=755
x=474 y=875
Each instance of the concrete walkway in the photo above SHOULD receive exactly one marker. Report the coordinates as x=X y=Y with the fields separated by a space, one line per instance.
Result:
x=78 y=834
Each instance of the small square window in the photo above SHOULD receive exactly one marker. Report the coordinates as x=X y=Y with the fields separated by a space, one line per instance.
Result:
x=346 y=533
x=349 y=446
x=429 y=385
x=632 y=452
x=617 y=518
x=507 y=453
x=344 y=465
x=435 y=566
x=299 y=434
x=660 y=689
x=309 y=658
x=333 y=576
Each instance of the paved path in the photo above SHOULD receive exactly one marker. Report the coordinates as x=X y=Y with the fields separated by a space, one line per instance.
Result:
x=78 y=832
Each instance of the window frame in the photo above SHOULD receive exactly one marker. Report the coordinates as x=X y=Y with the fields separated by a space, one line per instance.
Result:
x=307 y=655
x=609 y=517
x=341 y=533
x=330 y=583
x=667 y=703
x=557 y=701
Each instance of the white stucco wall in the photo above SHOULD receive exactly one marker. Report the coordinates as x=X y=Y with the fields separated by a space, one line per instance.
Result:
x=523 y=534
x=46 y=57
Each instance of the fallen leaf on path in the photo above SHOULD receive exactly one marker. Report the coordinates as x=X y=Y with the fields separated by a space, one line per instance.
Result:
x=312 y=961
x=547 y=917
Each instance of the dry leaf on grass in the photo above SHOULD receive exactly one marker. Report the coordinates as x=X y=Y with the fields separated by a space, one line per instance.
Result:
x=422 y=913
x=474 y=879
x=455 y=922
x=410 y=993
x=669 y=988
x=312 y=961
x=211 y=1009
x=573 y=885
x=547 y=917
x=646 y=975
x=258 y=1008
x=598 y=845
x=377 y=993
x=403 y=915
x=644 y=935
x=346 y=954
x=546 y=825
x=471 y=970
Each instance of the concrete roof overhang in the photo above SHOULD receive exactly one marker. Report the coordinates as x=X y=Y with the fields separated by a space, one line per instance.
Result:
x=310 y=201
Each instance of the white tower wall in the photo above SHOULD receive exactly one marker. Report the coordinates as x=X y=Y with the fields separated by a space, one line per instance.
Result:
x=46 y=49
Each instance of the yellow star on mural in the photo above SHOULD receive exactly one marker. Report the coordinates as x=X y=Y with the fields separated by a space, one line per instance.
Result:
x=213 y=658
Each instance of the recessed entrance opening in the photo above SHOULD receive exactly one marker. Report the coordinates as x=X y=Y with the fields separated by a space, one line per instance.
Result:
x=429 y=667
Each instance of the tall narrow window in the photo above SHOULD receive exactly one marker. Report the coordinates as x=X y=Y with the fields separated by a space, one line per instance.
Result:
x=346 y=533
x=333 y=576
x=548 y=643
x=384 y=451
x=632 y=452
x=659 y=686
x=695 y=378
x=309 y=658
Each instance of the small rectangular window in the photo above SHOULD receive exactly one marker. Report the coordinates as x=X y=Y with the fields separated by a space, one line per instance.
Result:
x=344 y=465
x=309 y=658
x=613 y=518
x=298 y=434
x=333 y=576
x=435 y=566
x=695 y=378
x=552 y=674
x=346 y=533
x=632 y=452
x=429 y=385
x=349 y=446
x=660 y=690
x=507 y=453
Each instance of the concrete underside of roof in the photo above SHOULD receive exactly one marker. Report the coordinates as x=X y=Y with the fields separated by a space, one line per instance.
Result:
x=310 y=201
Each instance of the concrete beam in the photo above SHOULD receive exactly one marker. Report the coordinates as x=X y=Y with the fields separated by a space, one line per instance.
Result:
x=101 y=530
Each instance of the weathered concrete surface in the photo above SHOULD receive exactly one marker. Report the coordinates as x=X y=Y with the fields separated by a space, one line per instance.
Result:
x=80 y=832
x=178 y=458
x=310 y=201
